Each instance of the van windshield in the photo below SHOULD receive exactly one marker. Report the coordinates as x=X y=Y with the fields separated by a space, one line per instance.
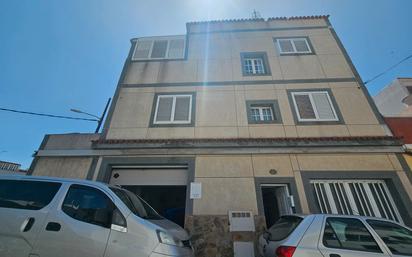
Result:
x=136 y=204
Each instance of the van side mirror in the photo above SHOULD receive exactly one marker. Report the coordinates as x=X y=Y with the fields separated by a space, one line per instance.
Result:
x=118 y=221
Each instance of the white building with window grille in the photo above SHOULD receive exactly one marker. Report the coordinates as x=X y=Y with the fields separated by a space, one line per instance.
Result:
x=10 y=168
x=263 y=117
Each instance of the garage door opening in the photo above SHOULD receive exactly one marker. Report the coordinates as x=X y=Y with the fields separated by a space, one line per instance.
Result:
x=164 y=188
x=276 y=202
x=168 y=201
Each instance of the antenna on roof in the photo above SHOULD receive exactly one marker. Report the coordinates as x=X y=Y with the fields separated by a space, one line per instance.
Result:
x=256 y=15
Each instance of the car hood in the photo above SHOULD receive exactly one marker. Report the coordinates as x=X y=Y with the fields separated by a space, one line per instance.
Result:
x=172 y=228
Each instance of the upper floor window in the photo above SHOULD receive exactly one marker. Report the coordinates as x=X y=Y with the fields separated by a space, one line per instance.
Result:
x=255 y=64
x=159 y=48
x=294 y=45
x=314 y=106
x=263 y=111
x=173 y=109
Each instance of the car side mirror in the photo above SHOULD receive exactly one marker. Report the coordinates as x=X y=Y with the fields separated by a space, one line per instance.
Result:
x=118 y=221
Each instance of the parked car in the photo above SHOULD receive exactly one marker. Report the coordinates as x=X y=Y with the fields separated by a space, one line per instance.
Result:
x=323 y=235
x=49 y=217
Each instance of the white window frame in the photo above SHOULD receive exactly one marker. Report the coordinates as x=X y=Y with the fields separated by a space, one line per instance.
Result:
x=254 y=71
x=260 y=108
x=153 y=39
x=292 y=40
x=312 y=102
x=172 y=116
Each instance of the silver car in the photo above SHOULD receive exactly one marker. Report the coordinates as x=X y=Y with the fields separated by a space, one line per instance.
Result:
x=322 y=235
x=49 y=217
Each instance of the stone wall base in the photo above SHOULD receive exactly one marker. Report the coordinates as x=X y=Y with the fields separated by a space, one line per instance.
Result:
x=211 y=236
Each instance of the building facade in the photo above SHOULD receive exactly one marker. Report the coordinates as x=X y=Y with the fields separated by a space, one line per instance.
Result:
x=395 y=104
x=241 y=118
x=11 y=168
x=395 y=100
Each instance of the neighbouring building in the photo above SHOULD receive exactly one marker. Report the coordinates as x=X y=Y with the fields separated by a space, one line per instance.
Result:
x=395 y=100
x=395 y=104
x=246 y=118
x=11 y=168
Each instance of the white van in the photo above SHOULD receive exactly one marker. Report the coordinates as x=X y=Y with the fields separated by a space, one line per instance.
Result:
x=54 y=217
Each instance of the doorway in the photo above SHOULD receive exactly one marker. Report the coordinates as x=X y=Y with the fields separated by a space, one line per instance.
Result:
x=276 y=202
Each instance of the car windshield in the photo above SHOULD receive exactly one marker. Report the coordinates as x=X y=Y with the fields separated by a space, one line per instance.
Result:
x=136 y=204
x=283 y=227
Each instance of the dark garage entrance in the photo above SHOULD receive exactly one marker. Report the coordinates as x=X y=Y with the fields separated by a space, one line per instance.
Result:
x=164 y=188
x=168 y=201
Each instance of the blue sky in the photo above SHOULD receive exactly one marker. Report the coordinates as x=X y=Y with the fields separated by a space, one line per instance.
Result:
x=57 y=55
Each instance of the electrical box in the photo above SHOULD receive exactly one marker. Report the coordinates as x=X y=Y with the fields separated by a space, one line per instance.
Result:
x=243 y=249
x=241 y=221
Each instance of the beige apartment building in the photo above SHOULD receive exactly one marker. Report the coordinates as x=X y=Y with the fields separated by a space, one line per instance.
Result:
x=241 y=120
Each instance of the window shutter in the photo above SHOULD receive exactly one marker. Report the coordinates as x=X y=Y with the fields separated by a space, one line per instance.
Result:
x=142 y=49
x=323 y=106
x=300 y=45
x=286 y=46
x=182 y=109
x=159 y=49
x=304 y=106
x=176 y=48
x=164 y=109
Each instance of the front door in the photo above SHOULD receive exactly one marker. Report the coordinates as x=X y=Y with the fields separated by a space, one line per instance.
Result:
x=80 y=226
x=276 y=202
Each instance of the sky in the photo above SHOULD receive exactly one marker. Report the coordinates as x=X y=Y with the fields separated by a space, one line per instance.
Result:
x=57 y=55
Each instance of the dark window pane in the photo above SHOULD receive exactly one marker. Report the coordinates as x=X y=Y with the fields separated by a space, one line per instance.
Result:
x=88 y=205
x=164 y=109
x=351 y=234
x=283 y=227
x=300 y=45
x=31 y=195
x=159 y=49
x=286 y=46
x=305 y=108
x=182 y=108
x=397 y=238
x=142 y=50
x=176 y=48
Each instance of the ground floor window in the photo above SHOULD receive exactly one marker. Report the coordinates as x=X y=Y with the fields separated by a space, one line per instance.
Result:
x=355 y=197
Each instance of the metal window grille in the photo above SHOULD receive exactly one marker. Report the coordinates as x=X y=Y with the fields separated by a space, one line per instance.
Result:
x=355 y=197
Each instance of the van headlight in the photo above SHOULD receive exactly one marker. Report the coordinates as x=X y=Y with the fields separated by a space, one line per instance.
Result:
x=166 y=238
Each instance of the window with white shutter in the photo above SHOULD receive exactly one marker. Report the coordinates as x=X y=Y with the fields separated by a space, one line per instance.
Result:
x=293 y=45
x=159 y=48
x=173 y=109
x=314 y=106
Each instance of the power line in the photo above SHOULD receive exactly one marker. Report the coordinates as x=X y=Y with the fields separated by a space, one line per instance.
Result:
x=388 y=69
x=46 y=115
